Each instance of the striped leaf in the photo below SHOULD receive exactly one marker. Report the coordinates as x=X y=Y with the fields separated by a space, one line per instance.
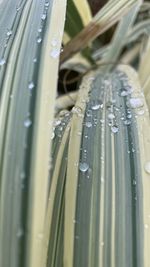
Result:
x=30 y=40
x=99 y=212
x=111 y=13
x=144 y=71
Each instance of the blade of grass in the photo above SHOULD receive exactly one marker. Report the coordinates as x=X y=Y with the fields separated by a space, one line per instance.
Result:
x=117 y=42
x=28 y=82
x=106 y=17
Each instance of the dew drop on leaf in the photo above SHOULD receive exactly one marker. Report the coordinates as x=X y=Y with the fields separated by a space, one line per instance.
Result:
x=9 y=33
x=35 y=60
x=22 y=175
x=83 y=167
x=52 y=135
x=20 y=233
x=57 y=122
x=147 y=167
x=114 y=129
x=136 y=102
x=47 y=4
x=54 y=42
x=55 y=52
x=127 y=122
x=111 y=116
x=88 y=124
x=2 y=61
x=27 y=122
x=40 y=30
x=43 y=17
x=96 y=104
x=39 y=40
x=31 y=85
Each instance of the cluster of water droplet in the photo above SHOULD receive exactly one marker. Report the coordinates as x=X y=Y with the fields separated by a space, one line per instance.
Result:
x=43 y=20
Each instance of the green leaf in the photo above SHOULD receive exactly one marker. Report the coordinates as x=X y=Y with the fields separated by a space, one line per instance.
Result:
x=30 y=40
x=119 y=37
x=101 y=176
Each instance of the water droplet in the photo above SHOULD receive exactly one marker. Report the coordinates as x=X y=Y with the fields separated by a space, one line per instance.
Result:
x=2 y=61
x=54 y=42
x=52 y=135
x=77 y=110
x=35 y=60
x=22 y=175
x=124 y=93
x=89 y=113
x=129 y=115
x=111 y=116
x=102 y=121
x=134 y=182
x=147 y=167
x=9 y=33
x=57 y=122
x=83 y=167
x=96 y=104
x=55 y=52
x=88 y=124
x=27 y=122
x=136 y=102
x=20 y=233
x=47 y=4
x=40 y=30
x=39 y=40
x=18 y=8
x=31 y=85
x=140 y=112
x=114 y=129
x=127 y=122
x=43 y=17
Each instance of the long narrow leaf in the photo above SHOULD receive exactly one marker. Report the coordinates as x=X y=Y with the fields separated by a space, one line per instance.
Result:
x=30 y=39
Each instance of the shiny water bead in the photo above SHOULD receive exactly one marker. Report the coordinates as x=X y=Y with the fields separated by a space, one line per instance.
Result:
x=2 y=61
x=124 y=93
x=55 y=52
x=88 y=124
x=111 y=116
x=57 y=122
x=39 y=40
x=47 y=4
x=27 y=122
x=20 y=233
x=43 y=17
x=9 y=33
x=96 y=104
x=78 y=111
x=114 y=129
x=136 y=102
x=31 y=85
x=127 y=122
x=83 y=167
x=52 y=135
x=147 y=167
x=54 y=42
